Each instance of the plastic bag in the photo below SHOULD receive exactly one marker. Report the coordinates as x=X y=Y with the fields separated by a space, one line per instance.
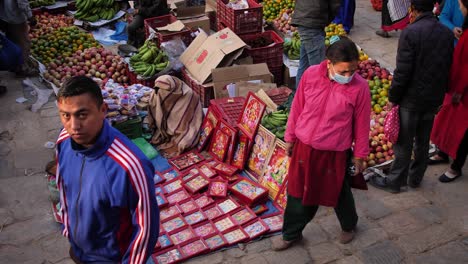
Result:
x=146 y=147
x=10 y=54
x=174 y=48
x=392 y=124
x=238 y=4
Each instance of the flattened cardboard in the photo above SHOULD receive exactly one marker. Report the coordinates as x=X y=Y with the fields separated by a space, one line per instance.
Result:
x=210 y=52
x=195 y=23
x=234 y=74
x=244 y=87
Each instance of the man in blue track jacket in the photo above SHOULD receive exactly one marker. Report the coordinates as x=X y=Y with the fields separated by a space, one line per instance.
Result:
x=109 y=208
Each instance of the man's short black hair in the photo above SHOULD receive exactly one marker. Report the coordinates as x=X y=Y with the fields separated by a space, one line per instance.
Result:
x=343 y=50
x=79 y=85
x=423 y=5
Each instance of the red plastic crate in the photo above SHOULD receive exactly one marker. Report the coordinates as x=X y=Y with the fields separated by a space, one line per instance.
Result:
x=205 y=93
x=132 y=77
x=161 y=21
x=228 y=108
x=241 y=21
x=278 y=74
x=272 y=55
x=279 y=95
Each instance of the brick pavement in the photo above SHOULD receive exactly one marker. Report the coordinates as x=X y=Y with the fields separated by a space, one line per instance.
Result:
x=428 y=225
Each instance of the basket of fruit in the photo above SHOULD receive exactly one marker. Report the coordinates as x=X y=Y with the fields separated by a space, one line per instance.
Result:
x=265 y=47
x=148 y=63
x=164 y=36
x=240 y=21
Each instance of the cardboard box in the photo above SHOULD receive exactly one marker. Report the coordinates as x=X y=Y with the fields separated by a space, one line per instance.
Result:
x=195 y=23
x=224 y=76
x=211 y=52
x=184 y=11
x=288 y=80
x=244 y=87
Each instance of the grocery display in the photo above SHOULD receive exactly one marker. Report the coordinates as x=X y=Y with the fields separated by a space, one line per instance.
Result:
x=272 y=9
x=93 y=10
x=47 y=23
x=149 y=60
x=276 y=122
x=39 y=3
x=283 y=21
x=333 y=30
x=292 y=47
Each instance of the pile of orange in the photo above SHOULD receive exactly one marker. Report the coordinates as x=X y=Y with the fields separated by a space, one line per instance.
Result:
x=273 y=8
x=379 y=92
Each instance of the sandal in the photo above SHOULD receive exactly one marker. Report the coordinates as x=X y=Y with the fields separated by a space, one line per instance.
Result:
x=449 y=177
x=436 y=159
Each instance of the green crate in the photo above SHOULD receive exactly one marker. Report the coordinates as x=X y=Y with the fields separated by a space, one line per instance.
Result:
x=131 y=128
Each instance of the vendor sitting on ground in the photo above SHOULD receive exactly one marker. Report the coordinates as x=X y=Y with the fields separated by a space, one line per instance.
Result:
x=144 y=9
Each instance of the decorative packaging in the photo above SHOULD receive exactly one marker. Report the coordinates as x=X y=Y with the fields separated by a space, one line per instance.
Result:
x=169 y=174
x=174 y=223
x=207 y=156
x=158 y=189
x=240 y=151
x=235 y=236
x=225 y=169
x=203 y=200
x=158 y=178
x=204 y=229
x=218 y=187
x=259 y=209
x=251 y=115
x=262 y=146
x=168 y=256
x=256 y=228
x=195 y=217
x=164 y=241
x=182 y=235
x=211 y=163
x=161 y=199
x=249 y=191
x=243 y=216
x=276 y=170
x=188 y=206
x=186 y=160
x=282 y=197
x=228 y=205
x=169 y=212
x=274 y=222
x=213 y=212
x=177 y=196
x=224 y=223
x=206 y=131
x=196 y=183
x=215 y=242
x=207 y=171
x=219 y=144
x=173 y=185
x=194 y=248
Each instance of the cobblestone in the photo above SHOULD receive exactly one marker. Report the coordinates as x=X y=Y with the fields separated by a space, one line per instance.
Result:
x=382 y=253
x=324 y=253
x=429 y=238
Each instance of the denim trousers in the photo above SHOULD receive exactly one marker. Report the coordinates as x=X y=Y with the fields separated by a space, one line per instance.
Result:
x=312 y=49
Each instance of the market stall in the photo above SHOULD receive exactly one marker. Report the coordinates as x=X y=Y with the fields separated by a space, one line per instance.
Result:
x=231 y=188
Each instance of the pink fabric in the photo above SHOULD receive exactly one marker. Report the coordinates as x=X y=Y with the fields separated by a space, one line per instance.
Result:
x=392 y=124
x=327 y=115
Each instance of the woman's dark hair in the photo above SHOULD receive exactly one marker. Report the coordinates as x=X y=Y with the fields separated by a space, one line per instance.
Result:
x=465 y=23
x=343 y=50
x=79 y=85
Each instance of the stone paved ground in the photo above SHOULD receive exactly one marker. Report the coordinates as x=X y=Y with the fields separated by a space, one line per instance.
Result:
x=427 y=225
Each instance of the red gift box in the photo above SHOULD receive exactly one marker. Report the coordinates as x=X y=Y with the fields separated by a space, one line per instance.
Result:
x=218 y=187
x=182 y=235
x=251 y=116
x=235 y=236
x=195 y=217
x=170 y=255
x=256 y=228
x=173 y=185
x=243 y=216
x=196 y=183
x=185 y=161
x=177 y=196
x=216 y=241
x=220 y=144
x=207 y=171
x=249 y=192
x=228 y=205
x=194 y=247
x=203 y=200
x=168 y=175
x=225 y=169
x=213 y=212
x=174 y=223
x=205 y=229
x=206 y=131
x=188 y=206
x=169 y=212
x=224 y=223
x=164 y=241
x=274 y=221
x=161 y=200
x=157 y=178
x=259 y=209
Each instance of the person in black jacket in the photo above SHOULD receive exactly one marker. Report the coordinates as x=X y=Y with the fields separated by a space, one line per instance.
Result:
x=144 y=9
x=419 y=83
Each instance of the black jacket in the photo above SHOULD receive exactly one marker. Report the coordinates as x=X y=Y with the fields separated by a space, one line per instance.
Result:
x=315 y=13
x=151 y=8
x=423 y=64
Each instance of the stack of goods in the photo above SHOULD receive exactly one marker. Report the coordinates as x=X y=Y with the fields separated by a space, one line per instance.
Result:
x=93 y=62
x=333 y=30
x=276 y=122
x=61 y=43
x=94 y=10
x=47 y=23
x=150 y=60
x=273 y=9
x=283 y=22
x=380 y=148
x=292 y=47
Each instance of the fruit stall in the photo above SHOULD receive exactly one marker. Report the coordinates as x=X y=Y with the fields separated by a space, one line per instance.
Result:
x=231 y=188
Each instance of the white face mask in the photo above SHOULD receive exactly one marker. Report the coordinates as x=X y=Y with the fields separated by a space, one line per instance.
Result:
x=340 y=78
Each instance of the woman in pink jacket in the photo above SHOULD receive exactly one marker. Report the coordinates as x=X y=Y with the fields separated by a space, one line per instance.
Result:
x=330 y=112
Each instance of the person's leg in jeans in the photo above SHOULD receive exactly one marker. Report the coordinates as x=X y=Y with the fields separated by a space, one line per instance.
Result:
x=421 y=148
x=312 y=49
x=296 y=217
x=462 y=152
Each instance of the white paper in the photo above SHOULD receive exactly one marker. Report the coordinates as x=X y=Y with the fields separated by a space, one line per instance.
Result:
x=231 y=88
x=21 y=100
x=292 y=65
x=255 y=81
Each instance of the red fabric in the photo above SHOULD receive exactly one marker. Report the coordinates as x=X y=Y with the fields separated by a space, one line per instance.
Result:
x=316 y=176
x=400 y=25
x=124 y=235
x=451 y=122
x=392 y=124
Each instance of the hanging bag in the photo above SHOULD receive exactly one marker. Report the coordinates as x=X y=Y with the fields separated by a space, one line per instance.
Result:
x=392 y=124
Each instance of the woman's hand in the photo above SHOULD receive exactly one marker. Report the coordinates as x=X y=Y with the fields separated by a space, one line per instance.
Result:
x=358 y=165
x=289 y=148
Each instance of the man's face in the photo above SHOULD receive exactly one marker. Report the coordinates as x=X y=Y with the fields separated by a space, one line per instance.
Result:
x=82 y=118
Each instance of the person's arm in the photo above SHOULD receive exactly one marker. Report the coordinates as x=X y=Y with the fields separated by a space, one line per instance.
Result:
x=446 y=15
x=361 y=124
x=59 y=180
x=333 y=8
x=144 y=213
x=296 y=110
x=404 y=68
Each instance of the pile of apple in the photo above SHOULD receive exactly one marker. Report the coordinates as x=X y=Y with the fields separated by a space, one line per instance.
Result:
x=380 y=148
x=93 y=62
x=368 y=69
x=47 y=23
x=379 y=89
x=283 y=22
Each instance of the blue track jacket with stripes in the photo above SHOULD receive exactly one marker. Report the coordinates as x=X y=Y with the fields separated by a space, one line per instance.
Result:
x=109 y=208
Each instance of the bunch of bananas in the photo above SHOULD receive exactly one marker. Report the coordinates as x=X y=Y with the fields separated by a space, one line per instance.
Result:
x=39 y=3
x=292 y=47
x=93 y=10
x=149 y=60
x=276 y=122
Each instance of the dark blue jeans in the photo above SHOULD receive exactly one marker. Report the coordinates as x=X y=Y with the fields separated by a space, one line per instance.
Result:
x=312 y=49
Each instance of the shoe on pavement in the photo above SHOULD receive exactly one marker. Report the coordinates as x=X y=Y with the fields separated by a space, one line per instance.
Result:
x=346 y=237
x=382 y=183
x=382 y=33
x=449 y=177
x=279 y=244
